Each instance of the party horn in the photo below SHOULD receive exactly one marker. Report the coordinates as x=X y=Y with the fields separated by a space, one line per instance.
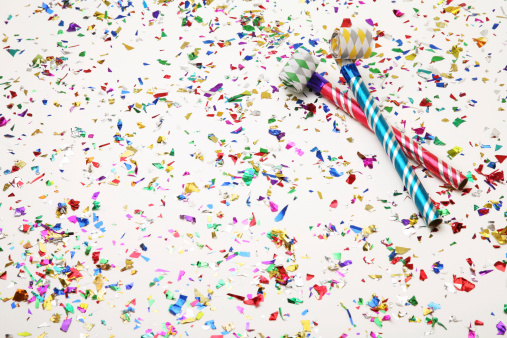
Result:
x=354 y=43
x=410 y=147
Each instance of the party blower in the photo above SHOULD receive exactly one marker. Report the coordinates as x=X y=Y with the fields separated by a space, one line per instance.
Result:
x=348 y=44
x=293 y=76
x=300 y=71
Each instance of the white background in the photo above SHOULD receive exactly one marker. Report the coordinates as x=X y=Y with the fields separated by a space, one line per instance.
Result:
x=33 y=34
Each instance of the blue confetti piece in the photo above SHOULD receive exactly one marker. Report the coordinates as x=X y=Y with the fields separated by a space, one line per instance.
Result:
x=334 y=172
x=356 y=229
x=281 y=215
x=175 y=308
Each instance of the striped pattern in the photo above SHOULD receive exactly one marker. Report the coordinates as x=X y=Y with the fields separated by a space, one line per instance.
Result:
x=298 y=70
x=410 y=147
x=434 y=164
x=386 y=136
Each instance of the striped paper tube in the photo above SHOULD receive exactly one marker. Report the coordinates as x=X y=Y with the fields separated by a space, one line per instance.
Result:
x=386 y=136
x=410 y=147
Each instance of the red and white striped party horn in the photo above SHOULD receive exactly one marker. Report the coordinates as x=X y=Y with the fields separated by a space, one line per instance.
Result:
x=411 y=148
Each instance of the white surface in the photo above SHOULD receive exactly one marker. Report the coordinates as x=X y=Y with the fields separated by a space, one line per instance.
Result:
x=98 y=117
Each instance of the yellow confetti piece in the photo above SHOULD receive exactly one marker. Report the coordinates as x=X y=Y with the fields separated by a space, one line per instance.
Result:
x=452 y=9
x=265 y=95
x=306 y=325
x=427 y=311
x=481 y=41
x=190 y=188
x=411 y=57
x=401 y=251
x=24 y=334
x=127 y=46
x=292 y=268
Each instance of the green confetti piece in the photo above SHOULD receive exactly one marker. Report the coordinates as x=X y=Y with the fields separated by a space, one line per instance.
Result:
x=248 y=176
x=438 y=142
x=12 y=51
x=458 y=121
x=295 y=300
x=202 y=264
x=443 y=212
x=413 y=301
x=436 y=58
x=220 y=284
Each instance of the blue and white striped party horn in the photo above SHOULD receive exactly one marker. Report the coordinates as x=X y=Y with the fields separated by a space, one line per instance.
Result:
x=386 y=137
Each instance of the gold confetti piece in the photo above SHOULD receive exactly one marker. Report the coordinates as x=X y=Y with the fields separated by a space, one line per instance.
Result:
x=129 y=152
x=99 y=282
x=401 y=251
x=454 y=151
x=89 y=326
x=455 y=51
x=427 y=311
x=228 y=327
x=484 y=233
x=55 y=318
x=481 y=41
x=306 y=325
x=500 y=236
x=265 y=95
x=191 y=187
x=452 y=9
x=127 y=46
x=369 y=230
x=292 y=268
x=377 y=277
x=411 y=57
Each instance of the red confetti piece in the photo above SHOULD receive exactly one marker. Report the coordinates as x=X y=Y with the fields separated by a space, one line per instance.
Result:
x=465 y=284
x=423 y=276
x=346 y=23
x=273 y=316
x=500 y=266
x=321 y=290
